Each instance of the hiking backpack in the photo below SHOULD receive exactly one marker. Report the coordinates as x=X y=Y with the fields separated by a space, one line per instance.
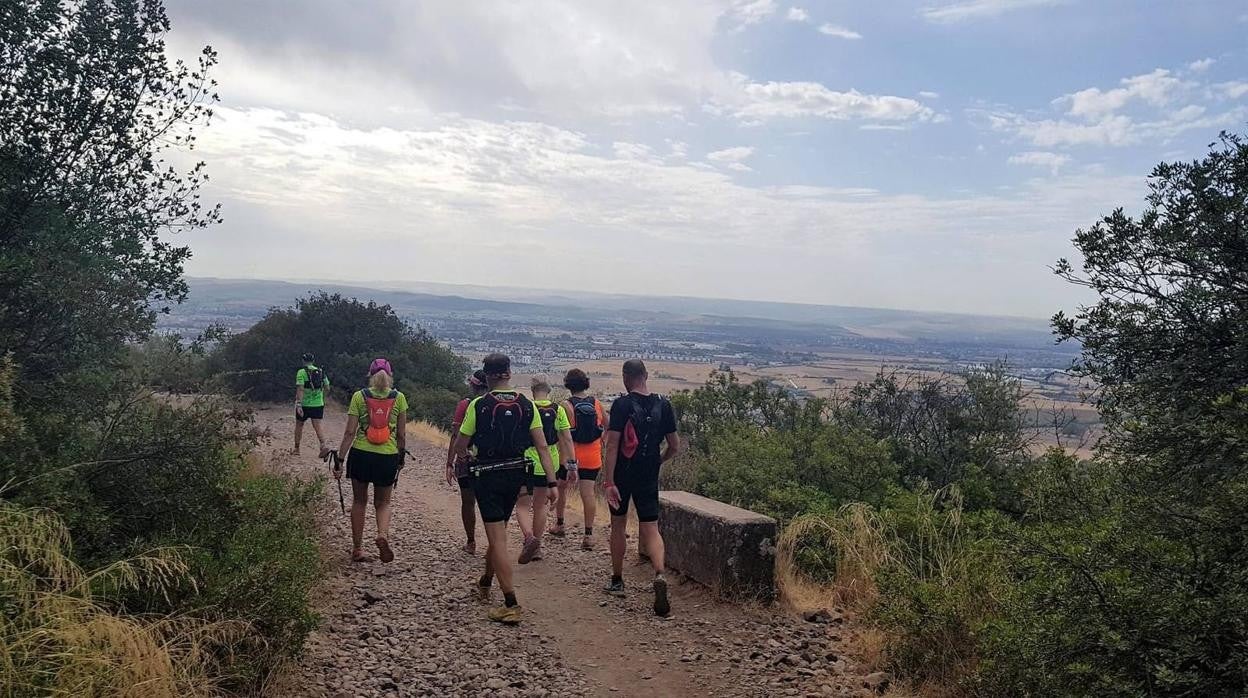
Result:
x=549 y=414
x=503 y=421
x=379 y=408
x=586 y=426
x=641 y=433
x=314 y=378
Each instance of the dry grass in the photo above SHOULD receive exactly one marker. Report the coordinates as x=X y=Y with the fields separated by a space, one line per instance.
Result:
x=428 y=433
x=858 y=540
x=59 y=638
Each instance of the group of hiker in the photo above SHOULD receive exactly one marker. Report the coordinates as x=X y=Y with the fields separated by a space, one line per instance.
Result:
x=511 y=455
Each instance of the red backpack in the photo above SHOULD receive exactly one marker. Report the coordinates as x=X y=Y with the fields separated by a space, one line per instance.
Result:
x=379 y=409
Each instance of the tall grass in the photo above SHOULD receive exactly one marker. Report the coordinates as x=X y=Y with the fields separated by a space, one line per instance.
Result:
x=918 y=570
x=60 y=637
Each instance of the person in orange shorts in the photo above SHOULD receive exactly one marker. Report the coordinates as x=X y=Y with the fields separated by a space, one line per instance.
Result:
x=588 y=418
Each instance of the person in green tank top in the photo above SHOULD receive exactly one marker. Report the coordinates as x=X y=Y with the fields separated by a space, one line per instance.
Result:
x=375 y=443
x=531 y=507
x=310 y=386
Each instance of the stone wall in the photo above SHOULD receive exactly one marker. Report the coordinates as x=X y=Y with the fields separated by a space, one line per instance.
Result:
x=729 y=549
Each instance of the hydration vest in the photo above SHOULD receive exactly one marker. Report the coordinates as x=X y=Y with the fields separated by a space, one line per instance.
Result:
x=503 y=421
x=586 y=426
x=641 y=433
x=549 y=414
x=314 y=378
x=379 y=408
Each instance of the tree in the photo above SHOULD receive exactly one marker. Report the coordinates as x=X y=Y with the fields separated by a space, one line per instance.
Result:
x=1135 y=567
x=89 y=106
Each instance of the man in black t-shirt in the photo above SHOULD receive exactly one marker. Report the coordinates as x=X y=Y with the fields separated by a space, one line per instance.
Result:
x=640 y=424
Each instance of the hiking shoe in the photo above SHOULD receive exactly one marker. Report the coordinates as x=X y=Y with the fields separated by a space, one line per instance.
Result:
x=661 y=605
x=532 y=547
x=507 y=615
x=483 y=591
x=471 y=547
x=556 y=531
x=615 y=588
x=587 y=543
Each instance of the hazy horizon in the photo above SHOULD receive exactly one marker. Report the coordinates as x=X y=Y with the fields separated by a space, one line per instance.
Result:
x=934 y=155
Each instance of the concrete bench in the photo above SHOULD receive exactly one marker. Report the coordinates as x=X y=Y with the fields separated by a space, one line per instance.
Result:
x=729 y=549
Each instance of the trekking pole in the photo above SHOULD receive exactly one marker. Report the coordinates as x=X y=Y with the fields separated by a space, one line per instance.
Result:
x=332 y=456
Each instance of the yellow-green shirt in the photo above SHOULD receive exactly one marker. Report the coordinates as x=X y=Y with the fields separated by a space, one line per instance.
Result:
x=561 y=424
x=358 y=410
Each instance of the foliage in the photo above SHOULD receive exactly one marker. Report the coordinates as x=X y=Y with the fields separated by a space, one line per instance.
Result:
x=89 y=105
x=60 y=633
x=345 y=335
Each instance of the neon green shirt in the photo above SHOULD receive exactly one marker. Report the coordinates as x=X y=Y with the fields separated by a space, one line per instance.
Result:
x=358 y=410
x=561 y=424
x=312 y=397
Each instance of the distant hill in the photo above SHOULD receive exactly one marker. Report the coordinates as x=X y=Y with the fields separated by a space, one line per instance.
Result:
x=237 y=300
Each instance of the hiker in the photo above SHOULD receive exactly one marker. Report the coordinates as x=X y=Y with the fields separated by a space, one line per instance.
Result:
x=639 y=422
x=457 y=468
x=375 y=442
x=557 y=432
x=501 y=425
x=310 y=386
x=587 y=419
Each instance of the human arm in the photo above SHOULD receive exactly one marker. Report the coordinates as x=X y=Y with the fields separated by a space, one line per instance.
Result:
x=400 y=435
x=673 y=447
x=300 y=378
x=611 y=442
x=348 y=435
x=567 y=451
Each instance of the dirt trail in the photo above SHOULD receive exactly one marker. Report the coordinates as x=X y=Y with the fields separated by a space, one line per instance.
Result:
x=415 y=627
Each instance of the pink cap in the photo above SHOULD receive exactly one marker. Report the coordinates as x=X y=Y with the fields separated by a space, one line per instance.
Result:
x=380 y=365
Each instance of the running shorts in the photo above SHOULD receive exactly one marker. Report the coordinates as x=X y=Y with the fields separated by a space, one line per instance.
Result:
x=466 y=482
x=641 y=487
x=590 y=474
x=311 y=413
x=380 y=469
x=497 y=492
x=532 y=482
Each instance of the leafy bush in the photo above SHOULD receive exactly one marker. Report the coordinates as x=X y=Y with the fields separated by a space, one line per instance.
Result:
x=345 y=335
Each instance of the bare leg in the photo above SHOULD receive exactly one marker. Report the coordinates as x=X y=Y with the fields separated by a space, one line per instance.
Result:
x=298 y=434
x=618 y=543
x=561 y=504
x=316 y=427
x=653 y=543
x=359 y=503
x=381 y=502
x=496 y=555
x=539 y=510
x=468 y=512
x=523 y=504
x=589 y=501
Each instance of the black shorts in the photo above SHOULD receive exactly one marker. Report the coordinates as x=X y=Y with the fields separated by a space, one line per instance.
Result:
x=583 y=474
x=532 y=482
x=466 y=482
x=310 y=413
x=642 y=488
x=497 y=492
x=380 y=469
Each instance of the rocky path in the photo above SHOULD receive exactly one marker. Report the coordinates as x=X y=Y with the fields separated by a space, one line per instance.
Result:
x=416 y=628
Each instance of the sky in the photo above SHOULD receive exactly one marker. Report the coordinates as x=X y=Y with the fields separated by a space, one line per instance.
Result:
x=929 y=155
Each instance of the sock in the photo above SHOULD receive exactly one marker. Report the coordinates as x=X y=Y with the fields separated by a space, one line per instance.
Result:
x=617 y=578
x=485 y=581
x=559 y=521
x=658 y=575
x=509 y=600
x=589 y=530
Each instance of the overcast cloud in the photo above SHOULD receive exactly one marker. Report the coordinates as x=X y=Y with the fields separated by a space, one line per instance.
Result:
x=941 y=159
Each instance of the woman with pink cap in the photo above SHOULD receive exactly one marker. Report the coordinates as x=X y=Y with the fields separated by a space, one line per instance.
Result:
x=375 y=442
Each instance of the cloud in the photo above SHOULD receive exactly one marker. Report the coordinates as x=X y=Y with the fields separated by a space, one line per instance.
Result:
x=1035 y=158
x=754 y=102
x=1201 y=65
x=1156 y=88
x=534 y=192
x=980 y=9
x=838 y=31
x=735 y=154
x=1140 y=110
x=797 y=14
x=1233 y=90
x=927 y=94
x=747 y=12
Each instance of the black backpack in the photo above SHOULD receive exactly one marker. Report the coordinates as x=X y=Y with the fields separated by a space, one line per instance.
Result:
x=503 y=421
x=646 y=423
x=587 y=428
x=549 y=413
x=314 y=378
